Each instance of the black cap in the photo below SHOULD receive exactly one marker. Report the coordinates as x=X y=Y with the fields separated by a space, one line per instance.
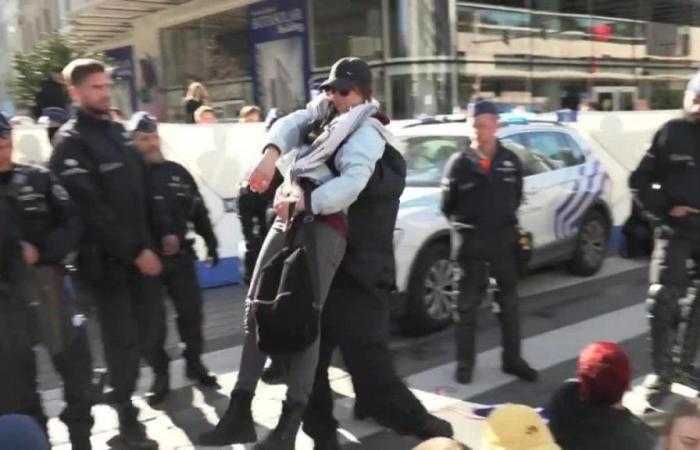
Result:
x=349 y=73
x=5 y=127
x=142 y=122
x=55 y=115
x=485 y=107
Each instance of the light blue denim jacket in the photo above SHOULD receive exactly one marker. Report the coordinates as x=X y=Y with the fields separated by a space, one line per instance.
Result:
x=355 y=161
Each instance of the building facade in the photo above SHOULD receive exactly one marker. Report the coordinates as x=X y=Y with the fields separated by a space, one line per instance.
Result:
x=428 y=56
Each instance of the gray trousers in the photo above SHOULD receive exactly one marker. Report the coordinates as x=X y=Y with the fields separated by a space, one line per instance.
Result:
x=329 y=249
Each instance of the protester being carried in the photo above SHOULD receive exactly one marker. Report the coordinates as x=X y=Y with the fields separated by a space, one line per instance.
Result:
x=587 y=413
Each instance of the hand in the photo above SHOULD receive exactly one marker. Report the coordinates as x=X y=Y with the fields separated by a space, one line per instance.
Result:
x=29 y=253
x=148 y=263
x=682 y=211
x=284 y=198
x=171 y=245
x=213 y=258
x=263 y=173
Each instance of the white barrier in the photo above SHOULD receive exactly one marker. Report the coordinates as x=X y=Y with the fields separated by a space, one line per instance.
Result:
x=218 y=156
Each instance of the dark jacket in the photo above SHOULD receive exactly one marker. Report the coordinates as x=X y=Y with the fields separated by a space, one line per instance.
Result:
x=369 y=255
x=107 y=180
x=486 y=200
x=669 y=175
x=190 y=107
x=44 y=212
x=580 y=425
x=173 y=186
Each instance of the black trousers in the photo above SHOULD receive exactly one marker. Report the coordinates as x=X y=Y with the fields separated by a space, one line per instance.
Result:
x=74 y=365
x=18 y=387
x=131 y=315
x=669 y=280
x=480 y=257
x=180 y=280
x=356 y=319
x=252 y=212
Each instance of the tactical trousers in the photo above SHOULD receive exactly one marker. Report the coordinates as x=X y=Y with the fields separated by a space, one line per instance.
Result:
x=252 y=212
x=356 y=320
x=180 y=280
x=481 y=257
x=669 y=304
x=18 y=386
x=130 y=312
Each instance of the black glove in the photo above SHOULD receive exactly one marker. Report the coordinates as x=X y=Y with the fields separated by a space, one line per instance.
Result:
x=213 y=257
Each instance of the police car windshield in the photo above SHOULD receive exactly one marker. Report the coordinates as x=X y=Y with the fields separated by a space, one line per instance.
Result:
x=426 y=157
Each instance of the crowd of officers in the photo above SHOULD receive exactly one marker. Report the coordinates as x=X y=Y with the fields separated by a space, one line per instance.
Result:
x=112 y=206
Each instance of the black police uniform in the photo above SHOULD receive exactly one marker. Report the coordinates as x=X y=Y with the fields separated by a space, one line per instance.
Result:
x=173 y=186
x=254 y=214
x=18 y=386
x=108 y=181
x=486 y=201
x=49 y=221
x=668 y=176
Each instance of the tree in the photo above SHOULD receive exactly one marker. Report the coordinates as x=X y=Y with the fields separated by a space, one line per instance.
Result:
x=48 y=57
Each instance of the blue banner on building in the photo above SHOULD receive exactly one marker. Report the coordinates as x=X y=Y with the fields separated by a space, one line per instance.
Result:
x=279 y=45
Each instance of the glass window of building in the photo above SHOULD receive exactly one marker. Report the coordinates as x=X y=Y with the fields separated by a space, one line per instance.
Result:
x=213 y=50
x=419 y=28
x=420 y=89
x=346 y=27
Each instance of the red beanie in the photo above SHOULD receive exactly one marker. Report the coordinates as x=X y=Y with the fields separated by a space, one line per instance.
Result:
x=604 y=372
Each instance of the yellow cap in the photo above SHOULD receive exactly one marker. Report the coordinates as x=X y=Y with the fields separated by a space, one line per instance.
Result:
x=517 y=427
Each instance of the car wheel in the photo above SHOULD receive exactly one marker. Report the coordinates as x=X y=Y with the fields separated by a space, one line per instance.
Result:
x=432 y=291
x=591 y=244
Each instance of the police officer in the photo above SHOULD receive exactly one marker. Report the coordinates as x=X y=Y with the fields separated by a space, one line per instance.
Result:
x=175 y=189
x=667 y=185
x=50 y=229
x=481 y=193
x=18 y=386
x=117 y=262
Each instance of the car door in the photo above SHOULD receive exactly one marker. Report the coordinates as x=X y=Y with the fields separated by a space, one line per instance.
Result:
x=559 y=190
x=533 y=213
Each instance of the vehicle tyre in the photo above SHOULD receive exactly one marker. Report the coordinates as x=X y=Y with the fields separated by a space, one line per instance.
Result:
x=591 y=244
x=432 y=291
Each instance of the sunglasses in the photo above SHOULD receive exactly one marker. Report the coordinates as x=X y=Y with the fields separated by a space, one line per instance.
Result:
x=332 y=90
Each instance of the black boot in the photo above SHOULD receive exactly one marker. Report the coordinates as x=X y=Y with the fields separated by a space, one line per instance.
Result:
x=274 y=374
x=160 y=389
x=80 y=438
x=236 y=426
x=521 y=369
x=284 y=435
x=663 y=313
x=329 y=442
x=131 y=432
x=197 y=371
x=689 y=340
x=465 y=343
x=432 y=426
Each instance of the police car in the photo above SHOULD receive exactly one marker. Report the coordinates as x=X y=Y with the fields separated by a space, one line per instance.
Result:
x=565 y=208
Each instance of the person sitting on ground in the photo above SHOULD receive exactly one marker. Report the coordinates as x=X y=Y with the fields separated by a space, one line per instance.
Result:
x=250 y=114
x=441 y=443
x=682 y=431
x=587 y=413
x=517 y=427
x=205 y=115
